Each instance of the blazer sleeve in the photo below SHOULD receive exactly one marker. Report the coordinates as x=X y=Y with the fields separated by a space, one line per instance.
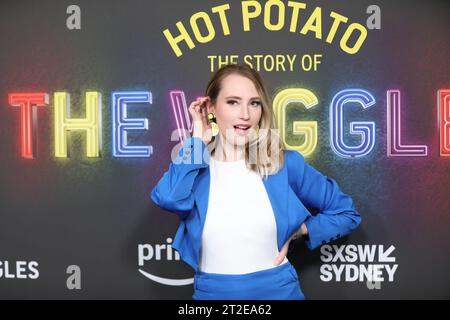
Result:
x=173 y=192
x=337 y=215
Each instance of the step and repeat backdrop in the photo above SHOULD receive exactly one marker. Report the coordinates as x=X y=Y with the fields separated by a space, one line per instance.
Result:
x=93 y=102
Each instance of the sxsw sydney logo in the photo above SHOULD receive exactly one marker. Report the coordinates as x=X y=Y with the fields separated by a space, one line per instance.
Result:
x=160 y=252
x=370 y=264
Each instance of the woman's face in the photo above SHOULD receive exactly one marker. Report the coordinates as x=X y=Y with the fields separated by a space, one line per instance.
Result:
x=238 y=105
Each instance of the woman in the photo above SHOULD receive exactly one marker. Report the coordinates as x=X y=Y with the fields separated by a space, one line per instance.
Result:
x=241 y=198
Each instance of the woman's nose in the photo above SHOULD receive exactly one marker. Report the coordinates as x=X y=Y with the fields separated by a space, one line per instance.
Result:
x=244 y=112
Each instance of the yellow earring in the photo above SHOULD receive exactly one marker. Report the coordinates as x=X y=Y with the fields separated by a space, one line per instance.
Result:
x=212 y=121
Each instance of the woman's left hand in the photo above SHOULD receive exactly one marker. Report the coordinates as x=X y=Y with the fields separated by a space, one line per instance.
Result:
x=284 y=250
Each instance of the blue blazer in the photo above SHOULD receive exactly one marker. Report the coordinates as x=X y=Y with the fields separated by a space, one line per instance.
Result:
x=184 y=190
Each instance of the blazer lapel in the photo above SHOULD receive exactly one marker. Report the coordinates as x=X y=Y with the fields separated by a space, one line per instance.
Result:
x=277 y=190
x=201 y=194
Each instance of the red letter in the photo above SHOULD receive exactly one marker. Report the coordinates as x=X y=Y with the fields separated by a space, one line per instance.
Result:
x=28 y=118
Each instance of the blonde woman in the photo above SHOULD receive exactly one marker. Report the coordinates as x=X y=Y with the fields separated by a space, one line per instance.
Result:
x=242 y=198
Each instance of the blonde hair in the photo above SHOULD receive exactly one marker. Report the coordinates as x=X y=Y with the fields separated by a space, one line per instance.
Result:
x=269 y=158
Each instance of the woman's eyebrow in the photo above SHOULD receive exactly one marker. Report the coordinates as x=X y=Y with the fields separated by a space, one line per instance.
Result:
x=239 y=98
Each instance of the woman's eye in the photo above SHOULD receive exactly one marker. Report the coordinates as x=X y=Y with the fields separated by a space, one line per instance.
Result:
x=253 y=103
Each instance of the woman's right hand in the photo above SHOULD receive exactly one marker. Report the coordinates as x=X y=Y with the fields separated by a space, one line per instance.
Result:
x=201 y=126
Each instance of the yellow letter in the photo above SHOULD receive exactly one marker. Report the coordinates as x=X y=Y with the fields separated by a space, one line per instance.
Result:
x=314 y=23
x=246 y=15
x=223 y=18
x=267 y=11
x=209 y=26
x=337 y=20
x=347 y=35
x=295 y=8
x=91 y=124
x=306 y=128
x=184 y=36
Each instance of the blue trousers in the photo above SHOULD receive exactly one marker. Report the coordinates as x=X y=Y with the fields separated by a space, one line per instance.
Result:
x=278 y=283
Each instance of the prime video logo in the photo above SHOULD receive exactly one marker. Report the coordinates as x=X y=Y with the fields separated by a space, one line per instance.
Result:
x=158 y=252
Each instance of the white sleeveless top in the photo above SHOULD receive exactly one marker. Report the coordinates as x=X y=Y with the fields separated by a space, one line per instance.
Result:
x=240 y=233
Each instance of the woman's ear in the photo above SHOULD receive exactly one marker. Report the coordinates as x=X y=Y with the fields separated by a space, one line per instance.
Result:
x=210 y=107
